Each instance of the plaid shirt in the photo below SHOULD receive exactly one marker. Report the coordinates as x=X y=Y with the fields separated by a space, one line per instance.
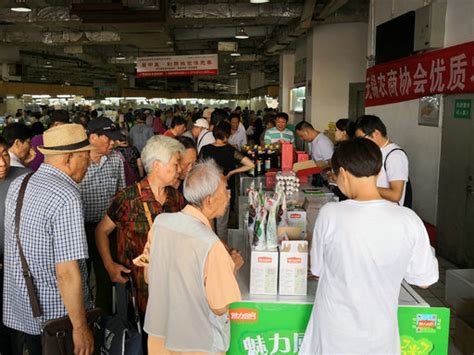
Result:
x=101 y=183
x=51 y=232
x=128 y=213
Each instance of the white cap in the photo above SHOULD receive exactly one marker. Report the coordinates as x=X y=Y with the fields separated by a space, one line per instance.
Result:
x=207 y=113
x=201 y=122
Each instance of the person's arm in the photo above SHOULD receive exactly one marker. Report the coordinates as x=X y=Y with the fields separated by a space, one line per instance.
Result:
x=102 y=232
x=394 y=192
x=247 y=165
x=141 y=168
x=122 y=182
x=69 y=279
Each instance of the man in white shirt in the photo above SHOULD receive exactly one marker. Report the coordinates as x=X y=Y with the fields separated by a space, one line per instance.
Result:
x=394 y=175
x=18 y=137
x=362 y=249
x=201 y=133
x=321 y=146
x=238 y=137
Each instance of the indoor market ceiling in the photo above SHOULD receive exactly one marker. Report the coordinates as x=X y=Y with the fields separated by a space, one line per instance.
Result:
x=96 y=42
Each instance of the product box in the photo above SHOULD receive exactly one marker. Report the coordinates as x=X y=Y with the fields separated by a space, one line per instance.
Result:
x=297 y=218
x=293 y=268
x=264 y=272
x=300 y=157
x=287 y=156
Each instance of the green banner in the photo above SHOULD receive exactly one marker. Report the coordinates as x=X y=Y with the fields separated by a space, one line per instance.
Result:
x=462 y=108
x=278 y=328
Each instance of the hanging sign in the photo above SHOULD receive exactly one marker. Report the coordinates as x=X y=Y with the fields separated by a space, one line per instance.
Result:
x=181 y=65
x=445 y=71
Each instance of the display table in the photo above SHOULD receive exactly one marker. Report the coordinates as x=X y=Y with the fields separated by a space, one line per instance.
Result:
x=262 y=324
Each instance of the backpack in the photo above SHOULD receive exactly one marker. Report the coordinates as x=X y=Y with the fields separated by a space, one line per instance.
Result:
x=408 y=202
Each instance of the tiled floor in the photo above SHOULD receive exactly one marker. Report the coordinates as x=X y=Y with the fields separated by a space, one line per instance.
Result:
x=435 y=296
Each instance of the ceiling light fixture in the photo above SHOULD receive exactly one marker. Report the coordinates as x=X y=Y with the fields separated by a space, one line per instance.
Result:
x=241 y=34
x=233 y=73
x=43 y=78
x=120 y=56
x=235 y=54
x=259 y=1
x=48 y=64
x=20 y=6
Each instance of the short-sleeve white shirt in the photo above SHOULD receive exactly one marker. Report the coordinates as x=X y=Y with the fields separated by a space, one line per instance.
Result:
x=362 y=250
x=321 y=148
x=397 y=168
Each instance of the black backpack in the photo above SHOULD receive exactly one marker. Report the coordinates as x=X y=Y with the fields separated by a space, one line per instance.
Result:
x=408 y=202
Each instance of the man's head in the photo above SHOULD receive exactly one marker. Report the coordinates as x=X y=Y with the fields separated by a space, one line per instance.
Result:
x=281 y=121
x=188 y=157
x=234 y=121
x=269 y=122
x=200 y=125
x=67 y=148
x=58 y=117
x=4 y=159
x=161 y=157
x=207 y=114
x=206 y=189
x=305 y=131
x=371 y=127
x=355 y=160
x=178 y=125
x=18 y=137
x=102 y=134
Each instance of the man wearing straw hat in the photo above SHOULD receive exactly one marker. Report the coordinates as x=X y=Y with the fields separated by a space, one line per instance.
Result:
x=54 y=243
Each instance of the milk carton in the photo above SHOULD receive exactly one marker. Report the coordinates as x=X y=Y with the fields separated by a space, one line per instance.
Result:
x=294 y=268
x=297 y=219
x=264 y=272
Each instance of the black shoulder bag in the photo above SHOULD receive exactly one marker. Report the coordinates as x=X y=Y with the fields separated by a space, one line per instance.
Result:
x=56 y=336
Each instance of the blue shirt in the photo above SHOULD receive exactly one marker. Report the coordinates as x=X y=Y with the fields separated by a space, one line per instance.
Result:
x=51 y=232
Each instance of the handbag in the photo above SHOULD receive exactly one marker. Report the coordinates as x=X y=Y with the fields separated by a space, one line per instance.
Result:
x=56 y=336
x=122 y=335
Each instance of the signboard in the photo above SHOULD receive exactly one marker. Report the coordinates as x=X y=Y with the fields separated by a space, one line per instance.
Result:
x=182 y=65
x=445 y=71
x=278 y=328
x=429 y=111
x=462 y=108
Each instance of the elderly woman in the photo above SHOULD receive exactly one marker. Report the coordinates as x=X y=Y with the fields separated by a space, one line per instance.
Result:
x=199 y=298
x=133 y=210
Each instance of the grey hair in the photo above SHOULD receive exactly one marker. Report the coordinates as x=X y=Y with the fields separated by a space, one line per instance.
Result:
x=160 y=148
x=202 y=181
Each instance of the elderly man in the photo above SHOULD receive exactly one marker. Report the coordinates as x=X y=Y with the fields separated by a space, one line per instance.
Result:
x=105 y=177
x=206 y=286
x=54 y=243
x=18 y=137
x=133 y=210
x=201 y=133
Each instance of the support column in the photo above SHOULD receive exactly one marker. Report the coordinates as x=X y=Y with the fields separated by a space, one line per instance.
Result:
x=287 y=79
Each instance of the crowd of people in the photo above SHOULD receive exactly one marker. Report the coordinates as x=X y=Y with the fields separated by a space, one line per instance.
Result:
x=105 y=201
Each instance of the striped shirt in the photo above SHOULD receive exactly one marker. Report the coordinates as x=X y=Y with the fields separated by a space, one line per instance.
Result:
x=102 y=181
x=51 y=232
x=273 y=135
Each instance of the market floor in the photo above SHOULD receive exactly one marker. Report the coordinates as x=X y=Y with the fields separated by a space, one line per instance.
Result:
x=435 y=297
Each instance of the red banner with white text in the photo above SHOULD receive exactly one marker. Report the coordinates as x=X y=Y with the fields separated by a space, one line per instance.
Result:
x=444 y=71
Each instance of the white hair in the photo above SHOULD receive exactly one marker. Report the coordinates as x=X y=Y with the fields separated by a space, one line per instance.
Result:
x=202 y=181
x=160 y=148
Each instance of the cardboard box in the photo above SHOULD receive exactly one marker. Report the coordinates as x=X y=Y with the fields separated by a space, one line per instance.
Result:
x=297 y=218
x=464 y=337
x=264 y=272
x=293 y=268
x=287 y=156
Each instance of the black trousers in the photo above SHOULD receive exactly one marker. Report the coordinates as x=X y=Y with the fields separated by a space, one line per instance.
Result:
x=23 y=343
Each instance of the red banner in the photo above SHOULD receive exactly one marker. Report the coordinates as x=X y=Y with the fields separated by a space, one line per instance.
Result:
x=183 y=65
x=444 y=71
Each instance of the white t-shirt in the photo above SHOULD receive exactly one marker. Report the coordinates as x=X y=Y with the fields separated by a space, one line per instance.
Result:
x=204 y=138
x=321 y=148
x=362 y=250
x=397 y=168
x=239 y=138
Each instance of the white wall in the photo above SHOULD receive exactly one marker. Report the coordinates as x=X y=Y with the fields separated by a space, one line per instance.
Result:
x=338 y=58
x=287 y=74
x=423 y=144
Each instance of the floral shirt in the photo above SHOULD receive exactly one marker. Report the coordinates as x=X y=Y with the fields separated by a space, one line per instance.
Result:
x=128 y=213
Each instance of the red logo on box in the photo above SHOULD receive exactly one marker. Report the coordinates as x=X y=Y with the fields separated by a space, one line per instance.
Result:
x=244 y=315
x=265 y=259
x=427 y=324
x=294 y=260
x=295 y=215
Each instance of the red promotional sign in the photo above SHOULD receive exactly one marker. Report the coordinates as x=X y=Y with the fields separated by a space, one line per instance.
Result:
x=182 y=65
x=444 y=71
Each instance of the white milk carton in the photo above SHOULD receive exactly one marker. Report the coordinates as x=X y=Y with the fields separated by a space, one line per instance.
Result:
x=297 y=219
x=264 y=272
x=293 y=267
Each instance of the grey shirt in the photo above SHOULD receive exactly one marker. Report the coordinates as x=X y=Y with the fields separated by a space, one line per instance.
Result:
x=13 y=173
x=139 y=134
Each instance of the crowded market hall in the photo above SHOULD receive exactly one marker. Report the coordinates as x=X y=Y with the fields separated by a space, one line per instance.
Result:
x=241 y=177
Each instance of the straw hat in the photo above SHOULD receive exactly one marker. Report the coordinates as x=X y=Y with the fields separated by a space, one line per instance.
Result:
x=63 y=139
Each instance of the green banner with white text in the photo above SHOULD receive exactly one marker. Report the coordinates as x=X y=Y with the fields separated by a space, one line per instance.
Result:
x=278 y=328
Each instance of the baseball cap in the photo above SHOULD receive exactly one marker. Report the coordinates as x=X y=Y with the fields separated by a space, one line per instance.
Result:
x=105 y=126
x=201 y=122
x=207 y=113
